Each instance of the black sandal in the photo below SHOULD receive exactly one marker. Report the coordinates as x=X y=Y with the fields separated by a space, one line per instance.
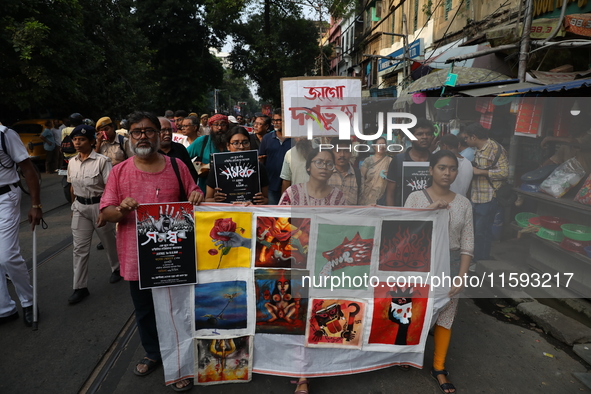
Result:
x=188 y=387
x=151 y=364
x=443 y=386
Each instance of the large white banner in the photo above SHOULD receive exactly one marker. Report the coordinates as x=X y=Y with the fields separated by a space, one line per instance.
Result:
x=320 y=291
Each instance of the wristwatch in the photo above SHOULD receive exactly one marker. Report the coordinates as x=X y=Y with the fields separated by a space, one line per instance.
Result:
x=37 y=206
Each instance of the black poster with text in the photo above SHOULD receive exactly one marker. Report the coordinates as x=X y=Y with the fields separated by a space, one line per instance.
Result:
x=237 y=174
x=166 y=245
x=415 y=176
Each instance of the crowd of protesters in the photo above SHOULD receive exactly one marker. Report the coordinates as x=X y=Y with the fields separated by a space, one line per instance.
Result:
x=108 y=165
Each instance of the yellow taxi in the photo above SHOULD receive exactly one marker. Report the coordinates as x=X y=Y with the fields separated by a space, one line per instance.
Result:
x=30 y=132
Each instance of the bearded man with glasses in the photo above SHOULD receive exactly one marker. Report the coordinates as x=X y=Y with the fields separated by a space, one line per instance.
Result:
x=148 y=177
x=203 y=147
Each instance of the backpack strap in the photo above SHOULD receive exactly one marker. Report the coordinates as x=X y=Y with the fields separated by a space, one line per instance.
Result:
x=175 y=167
x=205 y=142
x=122 y=144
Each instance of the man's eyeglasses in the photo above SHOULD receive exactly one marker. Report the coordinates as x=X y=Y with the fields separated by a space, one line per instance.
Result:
x=236 y=144
x=137 y=133
x=166 y=130
x=321 y=164
x=184 y=126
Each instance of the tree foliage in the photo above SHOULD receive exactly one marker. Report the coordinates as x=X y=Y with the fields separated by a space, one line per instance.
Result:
x=102 y=57
x=269 y=46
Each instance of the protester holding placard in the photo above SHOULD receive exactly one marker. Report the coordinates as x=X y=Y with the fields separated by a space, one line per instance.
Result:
x=238 y=141
x=443 y=168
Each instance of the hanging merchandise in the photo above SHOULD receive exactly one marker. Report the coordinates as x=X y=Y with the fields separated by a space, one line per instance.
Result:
x=529 y=117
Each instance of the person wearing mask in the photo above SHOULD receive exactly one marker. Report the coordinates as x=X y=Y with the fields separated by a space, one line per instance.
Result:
x=443 y=168
x=462 y=183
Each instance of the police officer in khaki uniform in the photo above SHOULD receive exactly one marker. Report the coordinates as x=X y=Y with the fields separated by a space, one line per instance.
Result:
x=88 y=173
x=109 y=143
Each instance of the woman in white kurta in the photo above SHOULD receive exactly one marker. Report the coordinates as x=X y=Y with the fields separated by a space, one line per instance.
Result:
x=443 y=168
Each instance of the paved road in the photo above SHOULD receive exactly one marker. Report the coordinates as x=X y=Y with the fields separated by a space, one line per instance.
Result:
x=93 y=346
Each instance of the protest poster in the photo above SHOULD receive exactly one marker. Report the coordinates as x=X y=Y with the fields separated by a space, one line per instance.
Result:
x=415 y=176
x=166 y=247
x=237 y=174
x=321 y=106
x=339 y=328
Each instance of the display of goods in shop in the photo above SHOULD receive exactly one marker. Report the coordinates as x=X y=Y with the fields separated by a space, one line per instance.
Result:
x=577 y=232
x=552 y=222
x=564 y=177
x=550 y=235
x=574 y=246
x=584 y=195
x=522 y=218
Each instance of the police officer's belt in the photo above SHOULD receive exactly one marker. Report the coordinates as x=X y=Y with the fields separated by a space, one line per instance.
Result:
x=6 y=188
x=88 y=201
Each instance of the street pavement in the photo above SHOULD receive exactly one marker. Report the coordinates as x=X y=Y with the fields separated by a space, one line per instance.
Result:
x=92 y=347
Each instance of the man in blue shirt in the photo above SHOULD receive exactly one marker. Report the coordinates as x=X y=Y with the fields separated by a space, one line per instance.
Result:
x=271 y=153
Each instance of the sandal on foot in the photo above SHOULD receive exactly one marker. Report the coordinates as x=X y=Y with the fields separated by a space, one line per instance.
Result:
x=151 y=364
x=404 y=368
x=188 y=387
x=443 y=386
x=298 y=383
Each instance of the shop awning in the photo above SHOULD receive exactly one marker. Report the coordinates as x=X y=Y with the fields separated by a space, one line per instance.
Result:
x=557 y=87
x=498 y=89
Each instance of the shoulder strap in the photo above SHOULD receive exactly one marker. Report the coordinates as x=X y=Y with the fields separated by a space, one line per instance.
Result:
x=3 y=141
x=358 y=179
x=497 y=155
x=175 y=167
x=205 y=142
x=122 y=144
x=427 y=196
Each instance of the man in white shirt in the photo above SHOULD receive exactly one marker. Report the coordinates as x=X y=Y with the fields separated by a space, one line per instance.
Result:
x=462 y=183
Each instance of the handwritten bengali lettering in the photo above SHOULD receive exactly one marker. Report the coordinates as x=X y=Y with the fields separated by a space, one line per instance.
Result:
x=324 y=92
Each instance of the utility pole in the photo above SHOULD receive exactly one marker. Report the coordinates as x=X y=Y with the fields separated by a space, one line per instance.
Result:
x=525 y=39
x=406 y=73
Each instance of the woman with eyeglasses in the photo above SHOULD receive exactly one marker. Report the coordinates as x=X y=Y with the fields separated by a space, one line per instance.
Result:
x=443 y=168
x=238 y=141
x=317 y=191
x=373 y=172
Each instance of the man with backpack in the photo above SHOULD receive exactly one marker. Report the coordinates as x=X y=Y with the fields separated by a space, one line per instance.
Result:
x=109 y=143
